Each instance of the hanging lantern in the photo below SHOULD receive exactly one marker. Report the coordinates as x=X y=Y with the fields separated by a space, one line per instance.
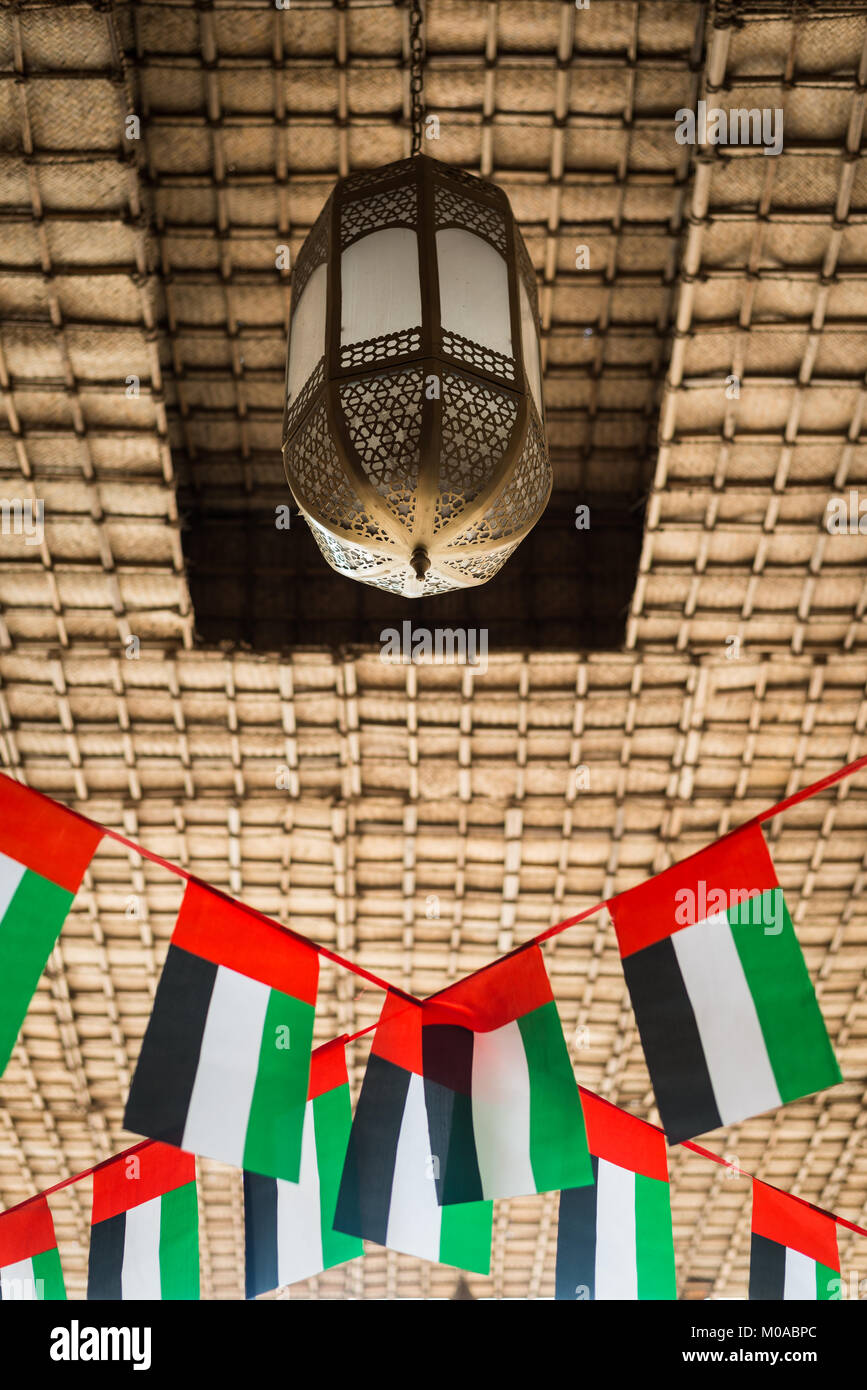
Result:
x=413 y=435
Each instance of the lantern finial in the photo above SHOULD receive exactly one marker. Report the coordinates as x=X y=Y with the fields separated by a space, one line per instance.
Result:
x=420 y=562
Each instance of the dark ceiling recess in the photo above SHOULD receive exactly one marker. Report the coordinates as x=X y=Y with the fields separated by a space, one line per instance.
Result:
x=607 y=256
x=271 y=590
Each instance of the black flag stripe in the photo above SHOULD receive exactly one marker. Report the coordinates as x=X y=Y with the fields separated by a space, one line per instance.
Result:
x=672 y=1046
x=105 y=1261
x=575 y=1277
x=447 y=1058
x=159 y=1097
x=767 y=1268
x=260 y=1234
x=364 y=1198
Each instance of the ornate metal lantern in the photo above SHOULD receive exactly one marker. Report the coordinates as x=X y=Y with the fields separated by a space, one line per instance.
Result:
x=413 y=435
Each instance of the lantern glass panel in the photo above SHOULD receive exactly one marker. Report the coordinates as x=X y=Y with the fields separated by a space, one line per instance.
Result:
x=307 y=344
x=474 y=290
x=530 y=344
x=380 y=289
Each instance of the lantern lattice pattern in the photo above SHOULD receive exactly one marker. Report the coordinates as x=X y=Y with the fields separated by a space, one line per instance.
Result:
x=413 y=436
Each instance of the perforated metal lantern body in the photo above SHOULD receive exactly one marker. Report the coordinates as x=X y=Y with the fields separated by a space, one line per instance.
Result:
x=413 y=438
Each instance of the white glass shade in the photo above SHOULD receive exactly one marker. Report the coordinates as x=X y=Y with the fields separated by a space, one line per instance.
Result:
x=307 y=342
x=474 y=290
x=379 y=285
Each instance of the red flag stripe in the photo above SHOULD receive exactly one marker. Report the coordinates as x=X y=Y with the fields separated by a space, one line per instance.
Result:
x=26 y=1231
x=779 y=1216
x=225 y=933
x=646 y=914
x=327 y=1068
x=494 y=996
x=138 y=1177
x=398 y=1034
x=621 y=1138
x=44 y=836
x=491 y=998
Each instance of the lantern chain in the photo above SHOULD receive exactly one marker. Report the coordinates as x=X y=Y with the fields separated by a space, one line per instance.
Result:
x=416 y=77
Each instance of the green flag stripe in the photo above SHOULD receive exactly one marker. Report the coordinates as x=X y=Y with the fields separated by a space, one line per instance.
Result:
x=47 y=1268
x=28 y=931
x=558 y=1140
x=654 y=1243
x=799 y=1048
x=332 y=1120
x=179 y=1243
x=828 y=1284
x=276 y=1120
x=465 y=1236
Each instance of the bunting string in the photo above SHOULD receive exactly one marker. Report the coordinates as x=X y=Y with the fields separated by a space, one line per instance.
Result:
x=814 y=789
x=79 y=1177
x=185 y=874
x=584 y=1091
x=733 y=1167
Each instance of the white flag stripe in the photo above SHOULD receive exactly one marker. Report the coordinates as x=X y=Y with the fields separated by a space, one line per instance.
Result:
x=299 y=1219
x=616 y=1258
x=11 y=874
x=800 y=1278
x=140 y=1273
x=728 y=1025
x=226 y=1076
x=501 y=1112
x=17 y=1283
x=414 y=1216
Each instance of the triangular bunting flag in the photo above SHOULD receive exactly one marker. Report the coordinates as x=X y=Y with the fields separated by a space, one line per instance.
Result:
x=388 y=1189
x=144 y=1237
x=44 y=851
x=615 y=1239
x=793 y=1254
x=225 y=1060
x=289 y=1232
x=502 y=1102
x=727 y=1015
x=29 y=1260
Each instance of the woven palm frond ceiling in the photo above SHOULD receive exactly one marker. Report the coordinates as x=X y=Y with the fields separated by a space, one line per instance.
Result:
x=176 y=668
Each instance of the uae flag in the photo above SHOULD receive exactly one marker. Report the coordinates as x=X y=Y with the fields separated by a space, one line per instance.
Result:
x=44 y=851
x=29 y=1260
x=225 y=1060
x=793 y=1254
x=503 y=1108
x=615 y=1239
x=727 y=1015
x=289 y=1230
x=144 y=1236
x=388 y=1188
